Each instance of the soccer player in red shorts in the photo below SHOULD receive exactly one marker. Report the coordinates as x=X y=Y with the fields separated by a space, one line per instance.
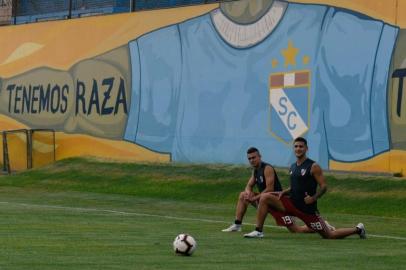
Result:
x=265 y=178
x=305 y=176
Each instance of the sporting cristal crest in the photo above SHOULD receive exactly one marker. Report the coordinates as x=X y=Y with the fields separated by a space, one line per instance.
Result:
x=289 y=99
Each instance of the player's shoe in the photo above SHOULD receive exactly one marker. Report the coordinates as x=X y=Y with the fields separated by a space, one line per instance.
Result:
x=233 y=228
x=331 y=227
x=361 y=231
x=254 y=234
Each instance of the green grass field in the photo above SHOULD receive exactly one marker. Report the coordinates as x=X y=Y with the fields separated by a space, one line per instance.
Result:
x=88 y=214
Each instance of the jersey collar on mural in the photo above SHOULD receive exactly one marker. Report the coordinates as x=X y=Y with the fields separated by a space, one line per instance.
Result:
x=247 y=35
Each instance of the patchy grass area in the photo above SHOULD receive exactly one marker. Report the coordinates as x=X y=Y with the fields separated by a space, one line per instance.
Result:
x=89 y=214
x=369 y=195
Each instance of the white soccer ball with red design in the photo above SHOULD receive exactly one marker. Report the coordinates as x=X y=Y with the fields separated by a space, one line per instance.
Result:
x=184 y=244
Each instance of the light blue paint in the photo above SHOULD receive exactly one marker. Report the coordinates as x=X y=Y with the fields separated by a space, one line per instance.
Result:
x=202 y=100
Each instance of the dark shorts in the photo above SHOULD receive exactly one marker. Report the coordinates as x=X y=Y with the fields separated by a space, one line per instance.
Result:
x=313 y=221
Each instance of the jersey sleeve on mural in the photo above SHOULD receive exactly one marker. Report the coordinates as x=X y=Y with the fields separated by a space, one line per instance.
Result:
x=379 y=111
x=352 y=79
x=156 y=71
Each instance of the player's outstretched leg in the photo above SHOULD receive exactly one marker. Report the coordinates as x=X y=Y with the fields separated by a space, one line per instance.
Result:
x=305 y=229
x=344 y=232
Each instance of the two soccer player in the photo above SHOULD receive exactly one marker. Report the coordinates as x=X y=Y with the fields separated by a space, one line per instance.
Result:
x=305 y=178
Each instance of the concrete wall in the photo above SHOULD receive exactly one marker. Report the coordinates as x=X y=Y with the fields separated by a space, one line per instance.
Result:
x=188 y=85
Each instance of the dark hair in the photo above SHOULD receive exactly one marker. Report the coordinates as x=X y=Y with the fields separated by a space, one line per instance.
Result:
x=252 y=150
x=300 y=139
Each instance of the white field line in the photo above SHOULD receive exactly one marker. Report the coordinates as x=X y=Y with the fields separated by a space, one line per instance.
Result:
x=82 y=209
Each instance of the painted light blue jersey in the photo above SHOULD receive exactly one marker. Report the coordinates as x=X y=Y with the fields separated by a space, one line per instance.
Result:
x=202 y=100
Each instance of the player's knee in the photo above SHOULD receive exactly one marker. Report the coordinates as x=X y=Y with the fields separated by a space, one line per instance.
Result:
x=243 y=198
x=269 y=198
x=264 y=198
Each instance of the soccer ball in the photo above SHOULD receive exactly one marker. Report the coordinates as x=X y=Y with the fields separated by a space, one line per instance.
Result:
x=184 y=244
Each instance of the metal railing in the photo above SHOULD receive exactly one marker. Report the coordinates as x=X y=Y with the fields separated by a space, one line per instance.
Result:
x=27 y=148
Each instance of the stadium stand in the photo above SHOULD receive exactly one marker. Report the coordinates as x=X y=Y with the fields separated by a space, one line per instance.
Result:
x=29 y=11
x=150 y=4
x=6 y=12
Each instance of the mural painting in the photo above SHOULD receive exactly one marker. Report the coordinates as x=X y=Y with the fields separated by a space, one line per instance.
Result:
x=206 y=87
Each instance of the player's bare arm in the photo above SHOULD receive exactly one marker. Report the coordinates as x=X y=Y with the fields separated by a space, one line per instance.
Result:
x=317 y=172
x=249 y=193
x=283 y=192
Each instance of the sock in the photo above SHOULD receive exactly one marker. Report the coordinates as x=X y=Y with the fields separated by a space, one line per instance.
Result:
x=258 y=229
x=237 y=222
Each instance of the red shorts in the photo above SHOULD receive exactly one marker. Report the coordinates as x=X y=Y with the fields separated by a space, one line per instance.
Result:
x=313 y=221
x=281 y=218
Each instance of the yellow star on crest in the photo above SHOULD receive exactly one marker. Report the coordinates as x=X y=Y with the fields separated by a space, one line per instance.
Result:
x=290 y=54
